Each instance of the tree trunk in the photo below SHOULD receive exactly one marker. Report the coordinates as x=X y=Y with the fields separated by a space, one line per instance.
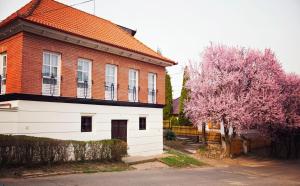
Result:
x=204 y=134
x=227 y=142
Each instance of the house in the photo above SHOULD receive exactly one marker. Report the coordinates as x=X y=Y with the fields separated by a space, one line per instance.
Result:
x=67 y=74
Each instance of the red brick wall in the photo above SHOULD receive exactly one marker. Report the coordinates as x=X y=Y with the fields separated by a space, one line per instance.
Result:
x=32 y=69
x=13 y=48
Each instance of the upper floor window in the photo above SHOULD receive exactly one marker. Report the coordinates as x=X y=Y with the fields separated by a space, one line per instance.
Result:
x=3 y=69
x=151 y=88
x=111 y=82
x=84 y=78
x=133 y=85
x=51 y=74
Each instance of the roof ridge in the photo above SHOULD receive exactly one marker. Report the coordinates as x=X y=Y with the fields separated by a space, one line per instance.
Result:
x=30 y=10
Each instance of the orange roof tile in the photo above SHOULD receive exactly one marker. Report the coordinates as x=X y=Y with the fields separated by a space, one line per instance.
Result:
x=68 y=19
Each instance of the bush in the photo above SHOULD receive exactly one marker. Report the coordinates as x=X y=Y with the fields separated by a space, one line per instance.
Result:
x=174 y=121
x=28 y=151
x=170 y=135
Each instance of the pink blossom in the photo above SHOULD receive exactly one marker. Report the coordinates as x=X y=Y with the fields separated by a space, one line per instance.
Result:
x=241 y=87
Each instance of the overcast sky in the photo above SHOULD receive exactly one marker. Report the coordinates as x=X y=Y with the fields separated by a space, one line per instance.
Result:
x=182 y=29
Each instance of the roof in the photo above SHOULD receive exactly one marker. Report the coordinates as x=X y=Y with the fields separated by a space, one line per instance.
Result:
x=175 y=105
x=65 y=18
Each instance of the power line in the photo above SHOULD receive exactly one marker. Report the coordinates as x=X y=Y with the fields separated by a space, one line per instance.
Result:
x=67 y=6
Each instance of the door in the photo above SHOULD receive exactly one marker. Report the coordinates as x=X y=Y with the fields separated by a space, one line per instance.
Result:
x=119 y=129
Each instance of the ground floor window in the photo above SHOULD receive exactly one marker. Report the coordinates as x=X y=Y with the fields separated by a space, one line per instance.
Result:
x=86 y=123
x=142 y=123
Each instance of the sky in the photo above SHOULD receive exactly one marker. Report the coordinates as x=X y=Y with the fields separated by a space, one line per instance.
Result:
x=182 y=29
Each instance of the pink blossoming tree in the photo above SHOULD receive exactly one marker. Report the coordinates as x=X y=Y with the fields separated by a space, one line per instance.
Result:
x=240 y=87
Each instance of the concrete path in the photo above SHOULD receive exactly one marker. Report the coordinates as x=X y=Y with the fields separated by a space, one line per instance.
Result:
x=243 y=173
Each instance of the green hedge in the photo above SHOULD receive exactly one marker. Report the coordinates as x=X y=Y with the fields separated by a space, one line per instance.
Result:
x=28 y=151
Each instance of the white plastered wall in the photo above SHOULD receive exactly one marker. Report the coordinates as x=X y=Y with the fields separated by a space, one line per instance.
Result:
x=62 y=121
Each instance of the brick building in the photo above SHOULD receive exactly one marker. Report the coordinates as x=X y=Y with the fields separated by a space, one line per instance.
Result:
x=67 y=74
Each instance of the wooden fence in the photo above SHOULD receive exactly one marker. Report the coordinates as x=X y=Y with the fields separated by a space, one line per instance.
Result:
x=167 y=124
x=213 y=137
x=185 y=131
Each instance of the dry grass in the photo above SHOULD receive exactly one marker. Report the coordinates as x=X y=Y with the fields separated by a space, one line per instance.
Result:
x=175 y=144
x=65 y=168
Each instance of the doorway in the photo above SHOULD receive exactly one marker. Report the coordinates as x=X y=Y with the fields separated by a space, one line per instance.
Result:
x=119 y=129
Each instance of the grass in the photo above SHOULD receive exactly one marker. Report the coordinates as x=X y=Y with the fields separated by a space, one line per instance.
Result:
x=72 y=167
x=179 y=160
x=202 y=149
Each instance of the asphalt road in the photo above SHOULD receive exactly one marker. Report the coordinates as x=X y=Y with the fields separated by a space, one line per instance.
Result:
x=232 y=175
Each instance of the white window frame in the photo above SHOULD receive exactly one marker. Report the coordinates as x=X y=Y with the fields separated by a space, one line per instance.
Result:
x=3 y=72
x=152 y=87
x=86 y=71
x=133 y=83
x=111 y=77
x=46 y=87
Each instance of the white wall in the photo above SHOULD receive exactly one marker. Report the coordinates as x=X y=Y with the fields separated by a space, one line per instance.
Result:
x=62 y=121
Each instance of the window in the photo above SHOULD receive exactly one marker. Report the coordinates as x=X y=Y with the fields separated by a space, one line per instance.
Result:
x=51 y=74
x=111 y=82
x=142 y=123
x=133 y=85
x=3 y=69
x=84 y=78
x=151 y=88
x=86 y=123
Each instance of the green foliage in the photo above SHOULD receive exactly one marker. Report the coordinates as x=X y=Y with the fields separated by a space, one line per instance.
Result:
x=168 y=97
x=180 y=160
x=174 y=121
x=183 y=120
x=29 y=151
x=170 y=135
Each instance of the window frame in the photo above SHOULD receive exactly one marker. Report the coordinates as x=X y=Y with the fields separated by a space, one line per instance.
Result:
x=85 y=128
x=3 y=73
x=111 y=75
x=153 y=82
x=50 y=65
x=84 y=71
x=135 y=81
x=47 y=78
x=142 y=124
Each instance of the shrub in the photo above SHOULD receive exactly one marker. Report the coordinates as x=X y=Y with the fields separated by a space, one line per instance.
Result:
x=170 y=135
x=28 y=151
x=174 y=121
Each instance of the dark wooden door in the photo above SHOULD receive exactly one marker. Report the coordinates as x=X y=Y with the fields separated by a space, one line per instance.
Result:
x=119 y=129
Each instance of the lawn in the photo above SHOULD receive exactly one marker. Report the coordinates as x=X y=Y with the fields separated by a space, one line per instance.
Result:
x=179 y=160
